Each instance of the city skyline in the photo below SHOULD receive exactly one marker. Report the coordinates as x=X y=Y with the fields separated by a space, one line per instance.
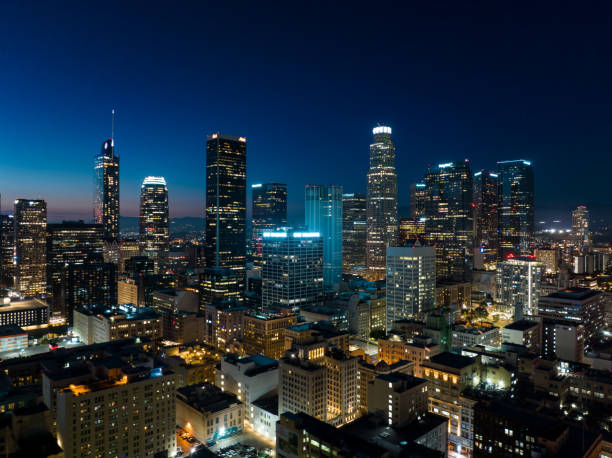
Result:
x=157 y=120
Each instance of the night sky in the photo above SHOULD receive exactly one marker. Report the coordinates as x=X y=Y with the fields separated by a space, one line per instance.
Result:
x=305 y=84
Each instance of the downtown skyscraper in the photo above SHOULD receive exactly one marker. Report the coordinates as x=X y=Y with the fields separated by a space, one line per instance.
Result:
x=31 y=246
x=225 y=202
x=486 y=201
x=354 y=233
x=450 y=224
x=269 y=212
x=106 y=192
x=516 y=206
x=580 y=227
x=154 y=221
x=323 y=214
x=382 y=219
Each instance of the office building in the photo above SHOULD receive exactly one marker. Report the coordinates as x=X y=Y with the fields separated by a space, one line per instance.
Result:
x=486 y=218
x=395 y=349
x=450 y=223
x=128 y=248
x=68 y=244
x=367 y=372
x=302 y=387
x=577 y=306
x=418 y=196
x=226 y=202
x=7 y=250
x=154 y=221
x=175 y=300
x=130 y=291
x=265 y=333
x=580 y=227
x=117 y=411
x=224 y=323
x=88 y=284
x=106 y=192
x=524 y=333
x=550 y=257
x=342 y=394
x=411 y=282
x=207 y=413
x=518 y=285
x=24 y=313
x=269 y=212
x=12 y=338
x=248 y=378
x=483 y=334
x=323 y=214
x=399 y=398
x=31 y=247
x=98 y=324
x=292 y=271
x=382 y=218
x=354 y=232
x=562 y=340
x=411 y=229
x=516 y=206
x=221 y=285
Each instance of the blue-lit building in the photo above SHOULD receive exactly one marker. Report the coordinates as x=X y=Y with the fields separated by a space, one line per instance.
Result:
x=516 y=206
x=323 y=214
x=292 y=268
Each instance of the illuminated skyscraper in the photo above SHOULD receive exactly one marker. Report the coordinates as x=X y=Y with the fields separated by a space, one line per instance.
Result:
x=580 y=227
x=354 y=211
x=486 y=201
x=106 y=192
x=518 y=285
x=154 y=220
x=417 y=200
x=269 y=211
x=411 y=229
x=382 y=222
x=225 y=202
x=516 y=206
x=323 y=214
x=450 y=224
x=7 y=249
x=30 y=246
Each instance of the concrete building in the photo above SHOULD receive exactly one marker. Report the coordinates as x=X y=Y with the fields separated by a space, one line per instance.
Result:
x=518 y=285
x=97 y=324
x=563 y=340
x=411 y=281
x=400 y=398
x=12 y=338
x=224 y=323
x=342 y=402
x=470 y=336
x=367 y=372
x=264 y=414
x=24 y=313
x=395 y=348
x=207 y=413
x=525 y=333
x=265 y=333
x=302 y=387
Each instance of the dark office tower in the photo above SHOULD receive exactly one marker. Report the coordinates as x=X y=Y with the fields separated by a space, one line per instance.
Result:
x=225 y=202
x=516 y=206
x=450 y=224
x=417 y=200
x=106 y=192
x=88 y=284
x=485 y=214
x=269 y=212
x=71 y=243
x=7 y=250
x=354 y=211
x=31 y=246
x=382 y=222
x=154 y=221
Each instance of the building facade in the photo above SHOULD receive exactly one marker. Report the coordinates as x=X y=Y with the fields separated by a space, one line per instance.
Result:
x=518 y=285
x=106 y=191
x=354 y=232
x=269 y=212
x=382 y=218
x=31 y=247
x=486 y=200
x=154 y=221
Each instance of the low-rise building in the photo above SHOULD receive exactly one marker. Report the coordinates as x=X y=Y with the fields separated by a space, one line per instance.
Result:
x=526 y=333
x=469 y=336
x=24 y=313
x=208 y=413
x=264 y=414
x=12 y=338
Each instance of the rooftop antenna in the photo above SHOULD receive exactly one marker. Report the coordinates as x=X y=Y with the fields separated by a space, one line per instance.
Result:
x=113 y=124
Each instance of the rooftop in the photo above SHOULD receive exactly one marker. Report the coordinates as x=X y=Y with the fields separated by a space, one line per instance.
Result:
x=11 y=330
x=407 y=381
x=206 y=397
x=576 y=294
x=452 y=360
x=268 y=403
x=521 y=325
x=125 y=311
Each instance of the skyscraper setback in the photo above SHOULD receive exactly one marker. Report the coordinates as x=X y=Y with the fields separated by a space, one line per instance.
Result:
x=225 y=202
x=30 y=246
x=154 y=220
x=516 y=206
x=323 y=214
x=382 y=222
x=449 y=224
x=106 y=192
x=354 y=233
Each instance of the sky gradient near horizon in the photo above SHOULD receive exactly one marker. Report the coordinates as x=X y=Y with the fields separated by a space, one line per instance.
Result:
x=305 y=83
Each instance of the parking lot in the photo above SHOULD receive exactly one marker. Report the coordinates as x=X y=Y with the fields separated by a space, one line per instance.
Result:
x=247 y=444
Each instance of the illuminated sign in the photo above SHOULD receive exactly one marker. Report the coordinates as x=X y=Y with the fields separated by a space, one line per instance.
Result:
x=381 y=130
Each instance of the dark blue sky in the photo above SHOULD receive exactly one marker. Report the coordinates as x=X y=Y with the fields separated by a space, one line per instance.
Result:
x=305 y=83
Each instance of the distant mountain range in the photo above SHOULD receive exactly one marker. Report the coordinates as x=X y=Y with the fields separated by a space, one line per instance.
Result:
x=178 y=226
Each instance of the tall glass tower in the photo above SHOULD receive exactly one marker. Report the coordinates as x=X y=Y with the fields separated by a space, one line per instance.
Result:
x=516 y=206
x=382 y=222
x=485 y=214
x=31 y=246
x=225 y=202
x=449 y=224
x=154 y=221
x=323 y=214
x=106 y=192
x=580 y=227
x=269 y=211
x=354 y=210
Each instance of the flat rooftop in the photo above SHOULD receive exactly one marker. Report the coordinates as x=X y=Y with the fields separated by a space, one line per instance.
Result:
x=452 y=360
x=521 y=325
x=575 y=294
x=8 y=330
x=25 y=304
x=206 y=397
